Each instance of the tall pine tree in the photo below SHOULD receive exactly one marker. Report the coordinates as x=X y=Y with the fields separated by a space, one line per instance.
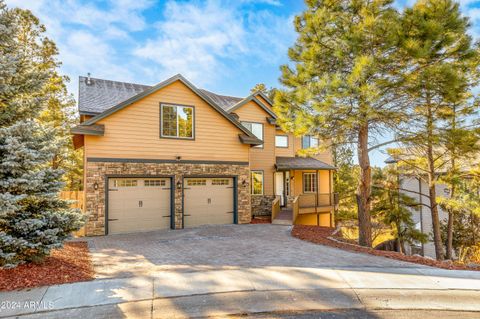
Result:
x=437 y=53
x=338 y=85
x=33 y=220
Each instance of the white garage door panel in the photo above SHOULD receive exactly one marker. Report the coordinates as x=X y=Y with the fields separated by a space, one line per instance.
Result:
x=138 y=206
x=208 y=201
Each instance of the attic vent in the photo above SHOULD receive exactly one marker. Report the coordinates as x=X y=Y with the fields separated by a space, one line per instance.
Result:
x=89 y=80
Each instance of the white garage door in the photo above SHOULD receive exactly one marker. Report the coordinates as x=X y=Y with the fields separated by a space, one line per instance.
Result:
x=208 y=201
x=138 y=204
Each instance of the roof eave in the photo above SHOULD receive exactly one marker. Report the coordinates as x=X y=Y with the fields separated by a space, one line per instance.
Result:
x=249 y=140
x=96 y=130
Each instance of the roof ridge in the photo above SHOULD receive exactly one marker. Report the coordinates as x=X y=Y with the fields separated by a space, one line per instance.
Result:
x=223 y=95
x=120 y=82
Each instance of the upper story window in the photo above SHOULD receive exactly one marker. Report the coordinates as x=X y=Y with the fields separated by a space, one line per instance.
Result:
x=176 y=121
x=256 y=129
x=281 y=141
x=309 y=141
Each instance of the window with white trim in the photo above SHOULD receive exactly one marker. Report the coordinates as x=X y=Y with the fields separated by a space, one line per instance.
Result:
x=281 y=141
x=256 y=182
x=176 y=121
x=256 y=129
x=309 y=182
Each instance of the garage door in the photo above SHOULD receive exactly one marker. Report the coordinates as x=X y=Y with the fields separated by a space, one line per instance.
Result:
x=208 y=201
x=138 y=204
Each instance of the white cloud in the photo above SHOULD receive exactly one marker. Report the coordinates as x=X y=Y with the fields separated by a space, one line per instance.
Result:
x=201 y=40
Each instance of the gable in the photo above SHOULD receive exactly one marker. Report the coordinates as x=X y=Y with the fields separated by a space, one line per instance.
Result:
x=134 y=131
x=160 y=86
x=251 y=111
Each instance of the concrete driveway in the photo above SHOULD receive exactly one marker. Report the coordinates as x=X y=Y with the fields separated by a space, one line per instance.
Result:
x=220 y=247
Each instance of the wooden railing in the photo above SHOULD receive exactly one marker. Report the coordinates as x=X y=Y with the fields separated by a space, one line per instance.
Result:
x=318 y=200
x=275 y=208
x=295 y=209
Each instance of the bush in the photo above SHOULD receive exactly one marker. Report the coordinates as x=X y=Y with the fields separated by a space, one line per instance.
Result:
x=33 y=219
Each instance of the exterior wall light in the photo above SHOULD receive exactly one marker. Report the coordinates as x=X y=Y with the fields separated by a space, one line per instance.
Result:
x=95 y=186
x=179 y=184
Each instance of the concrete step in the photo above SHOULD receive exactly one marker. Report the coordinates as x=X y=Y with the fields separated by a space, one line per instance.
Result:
x=282 y=222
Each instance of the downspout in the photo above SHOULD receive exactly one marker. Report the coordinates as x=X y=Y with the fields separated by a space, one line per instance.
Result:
x=317 y=176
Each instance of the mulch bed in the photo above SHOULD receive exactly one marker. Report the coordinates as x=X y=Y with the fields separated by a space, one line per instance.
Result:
x=320 y=235
x=72 y=263
x=261 y=220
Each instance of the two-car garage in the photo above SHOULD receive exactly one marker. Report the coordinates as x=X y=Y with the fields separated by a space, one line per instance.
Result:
x=146 y=204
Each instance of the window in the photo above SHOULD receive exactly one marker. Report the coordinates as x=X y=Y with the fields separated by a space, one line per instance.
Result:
x=220 y=181
x=281 y=141
x=257 y=182
x=309 y=141
x=176 y=121
x=256 y=129
x=309 y=182
x=196 y=182
x=125 y=183
x=154 y=182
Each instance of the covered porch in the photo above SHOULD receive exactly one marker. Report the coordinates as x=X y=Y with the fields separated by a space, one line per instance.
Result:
x=304 y=192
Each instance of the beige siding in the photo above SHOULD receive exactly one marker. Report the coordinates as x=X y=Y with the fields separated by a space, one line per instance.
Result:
x=261 y=158
x=261 y=99
x=287 y=152
x=325 y=156
x=134 y=132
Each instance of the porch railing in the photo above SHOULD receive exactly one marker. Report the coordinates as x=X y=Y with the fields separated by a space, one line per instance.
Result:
x=275 y=208
x=295 y=210
x=318 y=200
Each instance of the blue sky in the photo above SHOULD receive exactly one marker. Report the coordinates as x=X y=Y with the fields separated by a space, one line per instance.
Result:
x=223 y=46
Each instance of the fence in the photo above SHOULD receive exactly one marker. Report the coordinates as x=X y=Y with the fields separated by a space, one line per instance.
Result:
x=77 y=197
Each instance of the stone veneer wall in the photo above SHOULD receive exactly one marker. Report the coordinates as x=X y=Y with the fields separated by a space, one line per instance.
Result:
x=262 y=205
x=96 y=172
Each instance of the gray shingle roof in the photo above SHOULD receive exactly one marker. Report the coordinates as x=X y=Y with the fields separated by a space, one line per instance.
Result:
x=287 y=163
x=224 y=101
x=100 y=95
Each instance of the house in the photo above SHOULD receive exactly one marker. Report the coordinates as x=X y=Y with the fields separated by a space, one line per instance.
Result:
x=416 y=187
x=176 y=156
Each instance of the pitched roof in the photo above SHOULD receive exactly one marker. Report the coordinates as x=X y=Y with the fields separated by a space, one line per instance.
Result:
x=159 y=86
x=224 y=101
x=287 y=163
x=98 y=95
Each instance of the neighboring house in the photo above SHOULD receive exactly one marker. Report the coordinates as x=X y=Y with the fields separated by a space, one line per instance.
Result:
x=175 y=156
x=417 y=188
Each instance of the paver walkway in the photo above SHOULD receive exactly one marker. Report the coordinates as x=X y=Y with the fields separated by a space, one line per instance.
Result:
x=223 y=270
x=219 y=247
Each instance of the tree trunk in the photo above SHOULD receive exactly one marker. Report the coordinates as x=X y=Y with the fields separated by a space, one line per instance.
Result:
x=364 y=189
x=437 y=240
x=451 y=217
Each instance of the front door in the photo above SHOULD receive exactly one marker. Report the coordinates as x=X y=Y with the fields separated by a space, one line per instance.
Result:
x=280 y=187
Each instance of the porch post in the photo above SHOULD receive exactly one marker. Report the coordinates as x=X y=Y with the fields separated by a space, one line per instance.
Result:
x=317 y=177
x=330 y=195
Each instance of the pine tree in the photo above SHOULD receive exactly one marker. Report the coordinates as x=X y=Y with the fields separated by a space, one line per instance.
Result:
x=391 y=206
x=438 y=54
x=339 y=84
x=23 y=68
x=33 y=220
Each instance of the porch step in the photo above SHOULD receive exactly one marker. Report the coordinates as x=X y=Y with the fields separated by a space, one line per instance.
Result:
x=284 y=217
x=282 y=222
